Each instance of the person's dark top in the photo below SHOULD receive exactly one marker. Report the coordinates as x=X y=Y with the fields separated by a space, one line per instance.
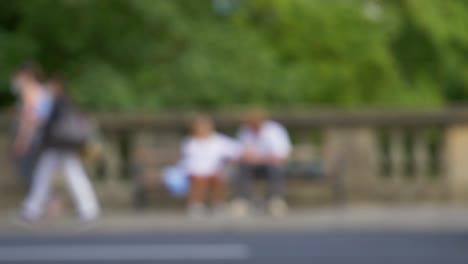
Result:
x=60 y=106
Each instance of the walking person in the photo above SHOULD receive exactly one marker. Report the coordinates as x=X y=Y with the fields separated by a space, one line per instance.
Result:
x=34 y=104
x=265 y=151
x=61 y=150
x=204 y=155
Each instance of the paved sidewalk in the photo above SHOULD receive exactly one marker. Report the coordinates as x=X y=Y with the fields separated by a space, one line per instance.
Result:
x=368 y=218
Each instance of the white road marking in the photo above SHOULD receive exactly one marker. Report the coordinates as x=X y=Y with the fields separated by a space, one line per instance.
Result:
x=124 y=252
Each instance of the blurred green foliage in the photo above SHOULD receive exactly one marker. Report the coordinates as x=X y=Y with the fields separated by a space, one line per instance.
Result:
x=176 y=54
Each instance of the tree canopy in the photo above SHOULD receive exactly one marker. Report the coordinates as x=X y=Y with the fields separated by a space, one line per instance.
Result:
x=137 y=55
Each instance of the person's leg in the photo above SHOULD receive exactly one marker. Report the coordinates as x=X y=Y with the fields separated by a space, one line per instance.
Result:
x=80 y=187
x=245 y=181
x=26 y=165
x=276 y=182
x=38 y=196
x=218 y=184
x=218 y=195
x=276 y=187
x=198 y=189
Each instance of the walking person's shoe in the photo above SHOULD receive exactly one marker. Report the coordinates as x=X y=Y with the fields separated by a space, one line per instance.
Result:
x=278 y=207
x=88 y=222
x=88 y=225
x=89 y=218
x=240 y=208
x=20 y=219
x=196 y=210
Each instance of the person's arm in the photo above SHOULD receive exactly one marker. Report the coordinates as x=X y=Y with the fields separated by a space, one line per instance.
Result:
x=186 y=154
x=232 y=149
x=27 y=126
x=280 y=146
x=246 y=153
x=36 y=113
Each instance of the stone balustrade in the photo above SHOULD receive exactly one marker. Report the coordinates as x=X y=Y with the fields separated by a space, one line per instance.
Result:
x=419 y=155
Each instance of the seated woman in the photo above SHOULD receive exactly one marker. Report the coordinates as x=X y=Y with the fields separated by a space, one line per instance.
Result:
x=204 y=155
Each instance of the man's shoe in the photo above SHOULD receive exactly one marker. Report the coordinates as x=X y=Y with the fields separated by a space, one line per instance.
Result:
x=240 y=208
x=278 y=207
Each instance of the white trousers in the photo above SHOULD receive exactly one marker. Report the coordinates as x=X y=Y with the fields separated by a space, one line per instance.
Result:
x=76 y=179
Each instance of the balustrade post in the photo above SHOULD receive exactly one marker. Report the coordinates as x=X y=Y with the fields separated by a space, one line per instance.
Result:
x=113 y=162
x=304 y=149
x=6 y=163
x=143 y=156
x=357 y=147
x=397 y=156
x=456 y=162
x=421 y=156
x=333 y=148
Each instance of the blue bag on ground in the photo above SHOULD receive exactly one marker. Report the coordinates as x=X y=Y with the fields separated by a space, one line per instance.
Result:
x=176 y=181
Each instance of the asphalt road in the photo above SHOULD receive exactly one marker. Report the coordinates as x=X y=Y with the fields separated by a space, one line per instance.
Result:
x=317 y=247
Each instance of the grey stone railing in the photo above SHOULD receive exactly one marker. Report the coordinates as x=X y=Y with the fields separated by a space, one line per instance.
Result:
x=392 y=154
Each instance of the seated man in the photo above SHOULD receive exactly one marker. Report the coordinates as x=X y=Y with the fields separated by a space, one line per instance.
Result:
x=266 y=147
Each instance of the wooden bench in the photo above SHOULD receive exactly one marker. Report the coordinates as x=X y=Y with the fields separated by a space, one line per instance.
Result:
x=309 y=168
x=303 y=167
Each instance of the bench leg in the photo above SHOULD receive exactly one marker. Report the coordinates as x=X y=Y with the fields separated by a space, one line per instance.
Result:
x=339 y=190
x=140 y=193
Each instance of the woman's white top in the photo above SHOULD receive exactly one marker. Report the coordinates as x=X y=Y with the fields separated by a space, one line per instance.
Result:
x=206 y=157
x=272 y=140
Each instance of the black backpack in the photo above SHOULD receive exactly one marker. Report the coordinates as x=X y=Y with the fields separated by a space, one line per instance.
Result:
x=70 y=127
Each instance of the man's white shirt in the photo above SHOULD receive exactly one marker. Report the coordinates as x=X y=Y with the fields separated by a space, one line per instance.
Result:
x=272 y=140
